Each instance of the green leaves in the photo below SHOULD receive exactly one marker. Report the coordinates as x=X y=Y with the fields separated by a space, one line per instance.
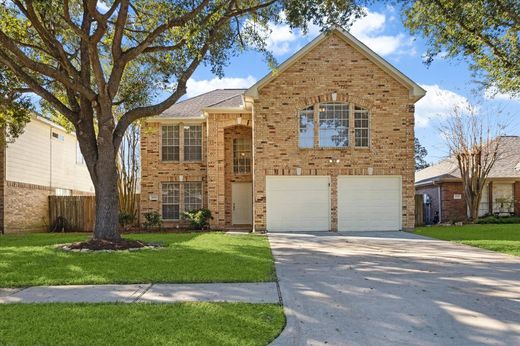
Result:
x=485 y=32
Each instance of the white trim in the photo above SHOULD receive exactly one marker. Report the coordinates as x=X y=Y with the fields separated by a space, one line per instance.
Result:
x=416 y=92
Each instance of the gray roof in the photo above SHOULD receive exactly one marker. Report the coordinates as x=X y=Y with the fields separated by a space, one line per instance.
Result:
x=192 y=107
x=507 y=166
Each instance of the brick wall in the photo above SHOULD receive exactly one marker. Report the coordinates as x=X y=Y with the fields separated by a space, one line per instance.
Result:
x=453 y=210
x=334 y=66
x=154 y=171
x=26 y=207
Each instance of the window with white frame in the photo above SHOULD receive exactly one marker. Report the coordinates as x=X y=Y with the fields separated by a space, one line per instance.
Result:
x=80 y=160
x=242 y=155
x=193 y=143
x=307 y=127
x=170 y=143
x=170 y=197
x=192 y=195
x=333 y=125
x=361 y=127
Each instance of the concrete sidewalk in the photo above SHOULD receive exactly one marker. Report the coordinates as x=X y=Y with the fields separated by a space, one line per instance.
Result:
x=264 y=292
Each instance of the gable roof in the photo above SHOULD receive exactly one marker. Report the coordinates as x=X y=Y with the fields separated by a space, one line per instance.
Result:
x=506 y=167
x=416 y=92
x=193 y=107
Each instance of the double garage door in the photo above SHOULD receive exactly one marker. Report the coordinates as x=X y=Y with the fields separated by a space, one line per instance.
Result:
x=303 y=203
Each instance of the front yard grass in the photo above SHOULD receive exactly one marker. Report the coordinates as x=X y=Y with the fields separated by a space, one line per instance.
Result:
x=30 y=260
x=500 y=238
x=140 y=324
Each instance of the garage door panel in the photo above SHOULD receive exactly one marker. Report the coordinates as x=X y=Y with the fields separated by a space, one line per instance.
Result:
x=297 y=204
x=369 y=203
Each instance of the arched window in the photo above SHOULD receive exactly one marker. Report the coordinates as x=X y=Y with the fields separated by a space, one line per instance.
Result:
x=335 y=126
x=333 y=122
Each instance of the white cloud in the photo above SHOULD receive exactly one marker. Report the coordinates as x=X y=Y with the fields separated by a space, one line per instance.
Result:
x=437 y=104
x=493 y=94
x=196 y=87
x=370 y=30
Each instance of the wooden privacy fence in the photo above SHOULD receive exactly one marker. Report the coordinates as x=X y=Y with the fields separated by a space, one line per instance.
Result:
x=419 y=210
x=72 y=213
x=75 y=213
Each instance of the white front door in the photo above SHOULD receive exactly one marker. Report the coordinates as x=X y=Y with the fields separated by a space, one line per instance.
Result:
x=242 y=203
x=369 y=203
x=298 y=203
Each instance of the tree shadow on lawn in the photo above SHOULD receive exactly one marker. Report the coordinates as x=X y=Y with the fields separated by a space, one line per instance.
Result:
x=187 y=258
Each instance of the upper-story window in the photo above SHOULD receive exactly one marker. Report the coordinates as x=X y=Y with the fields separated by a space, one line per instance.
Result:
x=361 y=127
x=192 y=143
x=333 y=122
x=242 y=155
x=335 y=126
x=307 y=127
x=170 y=143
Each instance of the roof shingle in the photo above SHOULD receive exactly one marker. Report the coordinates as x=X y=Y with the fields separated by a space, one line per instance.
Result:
x=192 y=107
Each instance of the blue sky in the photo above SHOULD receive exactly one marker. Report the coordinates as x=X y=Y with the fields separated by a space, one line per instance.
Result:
x=448 y=82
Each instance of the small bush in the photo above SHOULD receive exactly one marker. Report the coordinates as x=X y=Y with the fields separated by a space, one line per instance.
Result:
x=126 y=219
x=153 y=219
x=199 y=218
x=498 y=220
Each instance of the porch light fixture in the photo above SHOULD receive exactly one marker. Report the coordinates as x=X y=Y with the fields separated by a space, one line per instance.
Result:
x=239 y=120
x=298 y=171
x=370 y=170
x=181 y=177
x=334 y=96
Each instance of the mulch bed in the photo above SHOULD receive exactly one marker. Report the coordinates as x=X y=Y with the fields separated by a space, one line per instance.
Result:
x=104 y=245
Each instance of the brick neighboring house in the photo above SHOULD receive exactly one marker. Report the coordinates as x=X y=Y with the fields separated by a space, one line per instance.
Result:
x=326 y=142
x=45 y=160
x=501 y=194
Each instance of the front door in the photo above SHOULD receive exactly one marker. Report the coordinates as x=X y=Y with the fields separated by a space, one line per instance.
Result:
x=242 y=203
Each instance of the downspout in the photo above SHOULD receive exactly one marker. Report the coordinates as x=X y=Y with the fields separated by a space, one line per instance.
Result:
x=50 y=158
x=440 y=203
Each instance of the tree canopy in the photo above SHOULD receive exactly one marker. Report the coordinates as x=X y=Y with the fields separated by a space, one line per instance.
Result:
x=102 y=65
x=486 y=32
x=420 y=155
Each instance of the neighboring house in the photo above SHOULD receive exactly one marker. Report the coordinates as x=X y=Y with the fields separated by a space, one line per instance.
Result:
x=501 y=194
x=45 y=160
x=325 y=142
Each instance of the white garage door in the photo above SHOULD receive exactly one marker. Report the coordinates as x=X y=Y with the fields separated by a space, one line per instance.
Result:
x=369 y=203
x=298 y=203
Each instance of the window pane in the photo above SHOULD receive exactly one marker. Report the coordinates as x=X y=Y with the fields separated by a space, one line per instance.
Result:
x=333 y=118
x=307 y=128
x=170 y=143
x=192 y=196
x=192 y=143
x=362 y=131
x=170 y=201
x=242 y=155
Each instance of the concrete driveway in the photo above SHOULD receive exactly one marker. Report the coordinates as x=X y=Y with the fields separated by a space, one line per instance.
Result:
x=394 y=288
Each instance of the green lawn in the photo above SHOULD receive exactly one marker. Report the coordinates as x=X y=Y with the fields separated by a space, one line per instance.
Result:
x=501 y=238
x=140 y=324
x=195 y=257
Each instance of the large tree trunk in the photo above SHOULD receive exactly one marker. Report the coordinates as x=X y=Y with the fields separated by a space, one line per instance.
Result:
x=107 y=199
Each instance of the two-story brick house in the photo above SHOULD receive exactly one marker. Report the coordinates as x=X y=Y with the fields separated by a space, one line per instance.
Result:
x=325 y=142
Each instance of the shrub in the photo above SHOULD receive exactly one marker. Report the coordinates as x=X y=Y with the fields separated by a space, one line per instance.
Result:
x=153 y=219
x=199 y=218
x=126 y=219
x=498 y=220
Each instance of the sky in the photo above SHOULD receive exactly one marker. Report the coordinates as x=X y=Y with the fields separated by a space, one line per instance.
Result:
x=448 y=82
